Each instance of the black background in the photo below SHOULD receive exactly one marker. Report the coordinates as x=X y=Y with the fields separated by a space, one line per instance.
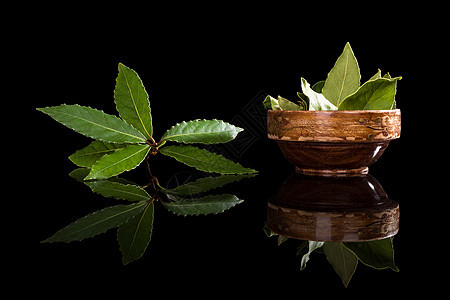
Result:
x=213 y=63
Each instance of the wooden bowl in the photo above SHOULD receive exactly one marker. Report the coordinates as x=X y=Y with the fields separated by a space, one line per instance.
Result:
x=347 y=209
x=333 y=142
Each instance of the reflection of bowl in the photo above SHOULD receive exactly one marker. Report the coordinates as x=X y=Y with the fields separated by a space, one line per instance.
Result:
x=347 y=209
x=333 y=142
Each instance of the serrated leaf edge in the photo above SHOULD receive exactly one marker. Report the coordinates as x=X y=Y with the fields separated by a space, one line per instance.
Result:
x=200 y=214
x=42 y=109
x=147 y=134
x=97 y=211
x=88 y=177
x=237 y=128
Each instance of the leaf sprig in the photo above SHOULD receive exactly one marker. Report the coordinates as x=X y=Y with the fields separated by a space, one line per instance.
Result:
x=344 y=256
x=342 y=90
x=123 y=143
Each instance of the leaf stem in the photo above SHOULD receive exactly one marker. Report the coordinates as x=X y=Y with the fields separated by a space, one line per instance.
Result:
x=153 y=181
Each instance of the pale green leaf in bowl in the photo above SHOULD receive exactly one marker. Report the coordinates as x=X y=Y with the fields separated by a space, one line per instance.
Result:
x=344 y=78
x=378 y=94
x=317 y=101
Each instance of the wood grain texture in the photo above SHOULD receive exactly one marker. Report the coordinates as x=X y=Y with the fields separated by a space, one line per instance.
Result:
x=334 y=126
x=347 y=209
x=333 y=142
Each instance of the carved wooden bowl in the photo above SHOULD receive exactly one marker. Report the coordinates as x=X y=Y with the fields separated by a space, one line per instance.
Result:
x=333 y=142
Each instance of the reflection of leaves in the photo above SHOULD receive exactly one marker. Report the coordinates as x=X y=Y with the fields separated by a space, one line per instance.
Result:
x=211 y=204
x=344 y=262
x=118 y=190
x=134 y=235
x=376 y=254
x=96 y=223
x=312 y=245
x=281 y=239
x=344 y=256
x=205 y=184
x=113 y=187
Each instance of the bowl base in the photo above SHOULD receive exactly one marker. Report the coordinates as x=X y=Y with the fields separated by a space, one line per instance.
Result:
x=333 y=172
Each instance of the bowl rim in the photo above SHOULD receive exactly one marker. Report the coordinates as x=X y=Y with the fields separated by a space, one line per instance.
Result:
x=397 y=110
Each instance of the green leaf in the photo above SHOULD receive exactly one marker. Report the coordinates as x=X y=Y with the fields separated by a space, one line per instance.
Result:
x=376 y=254
x=304 y=100
x=317 y=101
x=281 y=239
x=87 y=156
x=343 y=260
x=96 y=223
x=312 y=245
x=118 y=190
x=204 y=160
x=205 y=184
x=94 y=123
x=376 y=75
x=285 y=104
x=202 y=131
x=211 y=204
x=267 y=230
x=267 y=103
x=119 y=161
x=318 y=86
x=378 y=94
x=134 y=235
x=132 y=102
x=344 y=78
x=271 y=103
x=79 y=174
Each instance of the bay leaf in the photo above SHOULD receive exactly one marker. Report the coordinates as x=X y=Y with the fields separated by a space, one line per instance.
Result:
x=94 y=123
x=344 y=78
x=378 y=94
x=132 y=101
x=317 y=101
x=119 y=161
x=204 y=160
x=202 y=131
x=87 y=156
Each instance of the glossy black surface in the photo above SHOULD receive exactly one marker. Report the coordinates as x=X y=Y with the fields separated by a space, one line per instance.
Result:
x=190 y=74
